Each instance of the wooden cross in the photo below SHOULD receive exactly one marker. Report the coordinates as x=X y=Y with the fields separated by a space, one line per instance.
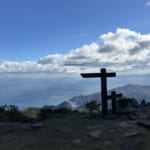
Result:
x=103 y=75
x=113 y=97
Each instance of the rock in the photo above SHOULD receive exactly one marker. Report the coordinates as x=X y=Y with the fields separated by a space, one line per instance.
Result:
x=8 y=127
x=143 y=116
x=131 y=133
x=36 y=125
x=27 y=127
x=145 y=124
x=74 y=121
x=134 y=122
x=64 y=128
x=110 y=117
x=131 y=117
x=112 y=129
x=77 y=141
x=95 y=134
x=32 y=126
x=130 y=144
x=93 y=126
x=127 y=111
x=123 y=124
x=108 y=141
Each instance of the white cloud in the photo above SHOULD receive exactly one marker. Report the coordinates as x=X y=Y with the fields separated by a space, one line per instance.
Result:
x=124 y=51
x=51 y=59
x=148 y=3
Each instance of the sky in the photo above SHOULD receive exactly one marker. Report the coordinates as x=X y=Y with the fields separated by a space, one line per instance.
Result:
x=55 y=39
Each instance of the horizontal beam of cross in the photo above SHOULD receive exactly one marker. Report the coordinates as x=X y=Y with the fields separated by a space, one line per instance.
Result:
x=96 y=75
x=114 y=96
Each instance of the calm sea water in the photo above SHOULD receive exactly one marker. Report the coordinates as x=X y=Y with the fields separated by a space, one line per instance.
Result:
x=39 y=92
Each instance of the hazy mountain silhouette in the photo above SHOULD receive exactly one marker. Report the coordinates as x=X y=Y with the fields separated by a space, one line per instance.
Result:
x=138 y=92
x=64 y=104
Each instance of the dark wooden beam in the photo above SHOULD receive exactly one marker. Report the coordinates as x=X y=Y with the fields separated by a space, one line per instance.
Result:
x=90 y=75
x=111 y=74
x=96 y=75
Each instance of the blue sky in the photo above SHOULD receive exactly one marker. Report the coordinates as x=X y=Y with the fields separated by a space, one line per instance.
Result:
x=46 y=44
x=30 y=29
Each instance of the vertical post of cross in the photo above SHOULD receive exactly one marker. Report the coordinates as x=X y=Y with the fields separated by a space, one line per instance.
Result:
x=114 y=97
x=104 y=91
x=113 y=94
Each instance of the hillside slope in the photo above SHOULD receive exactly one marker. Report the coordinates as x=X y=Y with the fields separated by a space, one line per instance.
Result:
x=64 y=104
x=138 y=92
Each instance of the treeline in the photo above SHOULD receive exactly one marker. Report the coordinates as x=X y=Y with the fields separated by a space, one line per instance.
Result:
x=11 y=113
x=46 y=113
x=122 y=103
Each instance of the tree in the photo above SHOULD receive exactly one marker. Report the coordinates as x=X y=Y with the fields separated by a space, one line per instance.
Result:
x=92 y=106
x=143 y=102
x=13 y=113
x=125 y=102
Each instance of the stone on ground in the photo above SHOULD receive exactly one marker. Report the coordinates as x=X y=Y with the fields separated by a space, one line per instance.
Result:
x=77 y=141
x=131 y=133
x=93 y=126
x=64 y=128
x=108 y=141
x=95 y=134
x=145 y=124
x=8 y=127
x=32 y=126
x=130 y=144
x=123 y=124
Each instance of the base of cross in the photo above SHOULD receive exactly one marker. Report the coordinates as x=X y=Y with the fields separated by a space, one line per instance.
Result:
x=113 y=97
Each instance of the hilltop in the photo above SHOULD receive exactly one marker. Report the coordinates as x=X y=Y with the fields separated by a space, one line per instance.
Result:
x=64 y=104
x=76 y=131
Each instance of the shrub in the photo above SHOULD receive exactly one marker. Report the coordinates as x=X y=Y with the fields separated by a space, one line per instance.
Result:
x=63 y=111
x=3 y=114
x=12 y=114
x=45 y=113
x=143 y=102
x=124 y=102
x=92 y=106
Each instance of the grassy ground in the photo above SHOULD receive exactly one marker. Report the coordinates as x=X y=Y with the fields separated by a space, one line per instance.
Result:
x=51 y=138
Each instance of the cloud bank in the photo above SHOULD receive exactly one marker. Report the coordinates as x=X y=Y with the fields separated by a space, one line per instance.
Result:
x=124 y=51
